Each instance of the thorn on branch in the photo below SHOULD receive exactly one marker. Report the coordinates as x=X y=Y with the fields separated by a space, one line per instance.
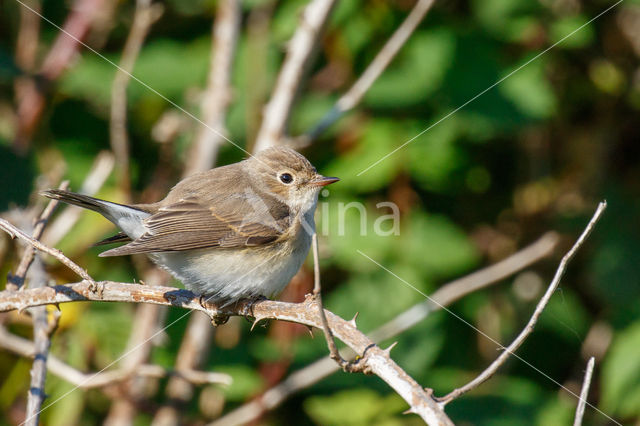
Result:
x=388 y=350
x=353 y=320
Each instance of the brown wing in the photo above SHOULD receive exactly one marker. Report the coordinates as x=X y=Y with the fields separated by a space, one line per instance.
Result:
x=243 y=220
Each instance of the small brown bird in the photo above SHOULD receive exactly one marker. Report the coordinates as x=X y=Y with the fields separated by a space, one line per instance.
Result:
x=238 y=231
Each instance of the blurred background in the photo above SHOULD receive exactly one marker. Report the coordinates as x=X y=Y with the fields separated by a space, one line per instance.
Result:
x=534 y=154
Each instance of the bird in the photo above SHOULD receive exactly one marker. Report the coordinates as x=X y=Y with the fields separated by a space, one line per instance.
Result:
x=239 y=231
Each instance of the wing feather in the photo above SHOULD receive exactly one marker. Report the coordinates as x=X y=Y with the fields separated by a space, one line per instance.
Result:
x=244 y=220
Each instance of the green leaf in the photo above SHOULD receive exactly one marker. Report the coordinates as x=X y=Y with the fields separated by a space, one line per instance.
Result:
x=246 y=381
x=353 y=407
x=621 y=374
x=378 y=140
x=436 y=246
x=434 y=156
x=426 y=58
x=563 y=27
x=529 y=90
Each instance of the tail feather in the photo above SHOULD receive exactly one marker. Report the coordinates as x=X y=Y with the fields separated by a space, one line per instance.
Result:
x=120 y=237
x=127 y=218
x=79 y=200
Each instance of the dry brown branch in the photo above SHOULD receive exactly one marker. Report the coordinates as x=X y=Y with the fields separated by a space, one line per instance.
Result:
x=510 y=350
x=15 y=281
x=217 y=96
x=144 y=16
x=27 y=48
x=584 y=392
x=15 y=232
x=145 y=325
x=76 y=27
x=446 y=295
x=376 y=360
x=24 y=347
x=193 y=350
x=62 y=224
x=350 y=367
x=202 y=156
x=301 y=48
x=382 y=60
x=42 y=328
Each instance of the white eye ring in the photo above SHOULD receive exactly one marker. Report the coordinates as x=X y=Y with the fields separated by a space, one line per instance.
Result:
x=286 y=178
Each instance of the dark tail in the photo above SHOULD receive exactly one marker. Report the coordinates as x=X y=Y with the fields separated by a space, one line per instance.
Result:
x=79 y=200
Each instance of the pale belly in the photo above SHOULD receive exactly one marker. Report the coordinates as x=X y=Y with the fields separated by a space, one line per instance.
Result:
x=231 y=274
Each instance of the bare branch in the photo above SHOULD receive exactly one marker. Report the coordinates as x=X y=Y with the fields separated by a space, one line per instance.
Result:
x=144 y=16
x=444 y=296
x=202 y=156
x=490 y=371
x=377 y=361
x=41 y=326
x=193 y=350
x=216 y=98
x=41 y=331
x=317 y=294
x=301 y=48
x=24 y=347
x=15 y=232
x=16 y=280
x=76 y=26
x=145 y=326
x=584 y=392
x=382 y=60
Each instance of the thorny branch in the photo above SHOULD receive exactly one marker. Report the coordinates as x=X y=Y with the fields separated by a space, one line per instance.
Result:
x=15 y=232
x=375 y=360
x=15 y=281
x=350 y=367
x=444 y=296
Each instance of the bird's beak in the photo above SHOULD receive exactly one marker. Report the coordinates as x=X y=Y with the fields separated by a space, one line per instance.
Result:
x=320 y=180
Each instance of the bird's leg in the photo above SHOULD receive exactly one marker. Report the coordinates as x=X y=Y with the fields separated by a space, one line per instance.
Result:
x=217 y=318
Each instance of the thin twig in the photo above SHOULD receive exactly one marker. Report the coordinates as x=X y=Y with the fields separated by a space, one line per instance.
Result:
x=317 y=294
x=584 y=393
x=144 y=16
x=66 y=45
x=301 y=48
x=382 y=60
x=147 y=321
x=15 y=232
x=444 y=296
x=377 y=361
x=16 y=280
x=217 y=96
x=24 y=347
x=510 y=350
x=193 y=351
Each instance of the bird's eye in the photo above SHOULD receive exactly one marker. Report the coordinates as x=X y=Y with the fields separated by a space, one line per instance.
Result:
x=286 y=178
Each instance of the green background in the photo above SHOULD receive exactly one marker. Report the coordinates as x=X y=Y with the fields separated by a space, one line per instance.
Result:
x=533 y=154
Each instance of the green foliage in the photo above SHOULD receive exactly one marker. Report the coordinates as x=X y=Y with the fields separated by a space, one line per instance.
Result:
x=621 y=374
x=482 y=143
x=355 y=407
